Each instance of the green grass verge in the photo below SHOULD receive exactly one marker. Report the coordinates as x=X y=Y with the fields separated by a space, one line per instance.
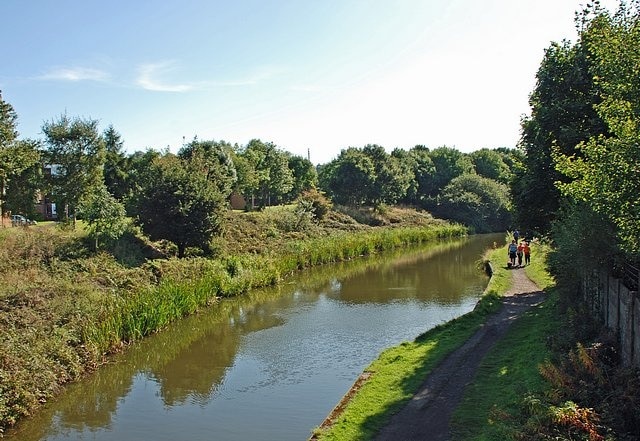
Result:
x=492 y=406
x=399 y=371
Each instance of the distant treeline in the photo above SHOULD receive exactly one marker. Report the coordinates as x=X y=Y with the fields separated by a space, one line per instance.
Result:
x=85 y=173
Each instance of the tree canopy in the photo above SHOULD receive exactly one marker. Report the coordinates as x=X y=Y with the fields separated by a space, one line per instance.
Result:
x=604 y=171
x=75 y=150
x=179 y=204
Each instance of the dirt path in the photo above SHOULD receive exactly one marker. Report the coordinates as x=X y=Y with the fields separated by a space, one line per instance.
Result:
x=428 y=414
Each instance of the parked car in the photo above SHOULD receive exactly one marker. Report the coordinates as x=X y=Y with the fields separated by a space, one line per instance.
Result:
x=18 y=220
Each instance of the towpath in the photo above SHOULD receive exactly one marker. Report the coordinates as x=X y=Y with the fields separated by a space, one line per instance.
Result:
x=428 y=415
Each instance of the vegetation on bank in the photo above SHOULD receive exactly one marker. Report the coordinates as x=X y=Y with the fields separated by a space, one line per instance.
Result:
x=64 y=307
x=555 y=375
x=399 y=371
x=509 y=377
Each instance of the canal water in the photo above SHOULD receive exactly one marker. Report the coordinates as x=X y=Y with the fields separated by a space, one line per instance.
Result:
x=269 y=365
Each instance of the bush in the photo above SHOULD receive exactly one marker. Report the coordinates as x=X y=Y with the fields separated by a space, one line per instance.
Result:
x=316 y=203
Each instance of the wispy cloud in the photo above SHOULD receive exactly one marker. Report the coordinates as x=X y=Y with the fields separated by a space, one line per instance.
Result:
x=148 y=78
x=75 y=74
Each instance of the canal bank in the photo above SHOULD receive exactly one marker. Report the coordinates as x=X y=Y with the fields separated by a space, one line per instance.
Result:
x=279 y=357
x=65 y=308
x=424 y=402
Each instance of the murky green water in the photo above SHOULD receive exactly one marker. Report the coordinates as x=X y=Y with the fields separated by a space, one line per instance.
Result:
x=272 y=364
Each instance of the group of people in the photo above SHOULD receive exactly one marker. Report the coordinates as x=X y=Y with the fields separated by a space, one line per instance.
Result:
x=519 y=250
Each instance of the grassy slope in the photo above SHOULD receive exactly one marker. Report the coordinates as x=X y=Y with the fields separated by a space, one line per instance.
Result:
x=62 y=307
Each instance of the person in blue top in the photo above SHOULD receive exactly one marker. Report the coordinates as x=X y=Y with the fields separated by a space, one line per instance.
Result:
x=513 y=250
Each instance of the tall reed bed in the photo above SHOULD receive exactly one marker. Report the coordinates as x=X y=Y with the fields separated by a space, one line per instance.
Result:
x=187 y=285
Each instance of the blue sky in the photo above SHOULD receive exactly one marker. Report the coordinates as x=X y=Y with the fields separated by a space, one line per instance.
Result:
x=307 y=75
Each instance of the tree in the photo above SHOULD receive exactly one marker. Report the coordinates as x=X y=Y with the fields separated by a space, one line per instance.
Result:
x=104 y=214
x=476 y=201
x=305 y=176
x=417 y=160
x=392 y=179
x=178 y=203
x=350 y=178
x=77 y=151
x=562 y=116
x=8 y=121
x=490 y=164
x=603 y=172
x=138 y=176
x=26 y=180
x=115 y=165
x=268 y=175
x=10 y=160
x=215 y=160
x=449 y=163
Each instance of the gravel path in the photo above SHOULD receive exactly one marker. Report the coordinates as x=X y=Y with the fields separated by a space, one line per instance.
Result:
x=428 y=414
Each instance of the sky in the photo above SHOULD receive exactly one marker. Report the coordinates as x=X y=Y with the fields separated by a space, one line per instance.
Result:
x=313 y=77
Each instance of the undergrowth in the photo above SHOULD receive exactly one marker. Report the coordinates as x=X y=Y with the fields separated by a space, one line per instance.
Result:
x=63 y=308
x=555 y=376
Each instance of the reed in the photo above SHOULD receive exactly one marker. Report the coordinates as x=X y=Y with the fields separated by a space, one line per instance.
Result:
x=62 y=309
x=186 y=286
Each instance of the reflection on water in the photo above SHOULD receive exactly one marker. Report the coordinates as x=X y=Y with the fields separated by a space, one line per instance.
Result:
x=270 y=364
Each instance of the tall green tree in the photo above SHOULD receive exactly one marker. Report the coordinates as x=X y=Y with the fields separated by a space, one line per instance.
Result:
x=76 y=149
x=216 y=161
x=419 y=161
x=26 y=182
x=563 y=114
x=449 y=163
x=481 y=203
x=392 y=177
x=104 y=214
x=14 y=158
x=138 y=175
x=8 y=122
x=604 y=171
x=350 y=178
x=268 y=175
x=116 y=164
x=177 y=202
x=305 y=176
x=490 y=164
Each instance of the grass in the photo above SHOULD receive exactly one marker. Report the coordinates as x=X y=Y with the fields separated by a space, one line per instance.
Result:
x=492 y=404
x=398 y=373
x=509 y=373
x=64 y=308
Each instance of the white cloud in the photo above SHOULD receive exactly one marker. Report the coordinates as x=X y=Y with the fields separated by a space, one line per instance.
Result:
x=148 y=78
x=75 y=74
x=147 y=74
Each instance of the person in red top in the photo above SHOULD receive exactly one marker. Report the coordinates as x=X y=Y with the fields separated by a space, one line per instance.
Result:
x=527 y=253
x=519 y=252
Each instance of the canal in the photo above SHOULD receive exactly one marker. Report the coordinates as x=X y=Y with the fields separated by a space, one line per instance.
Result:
x=269 y=365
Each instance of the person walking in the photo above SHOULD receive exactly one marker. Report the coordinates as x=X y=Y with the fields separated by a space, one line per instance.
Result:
x=527 y=253
x=512 y=251
x=519 y=253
